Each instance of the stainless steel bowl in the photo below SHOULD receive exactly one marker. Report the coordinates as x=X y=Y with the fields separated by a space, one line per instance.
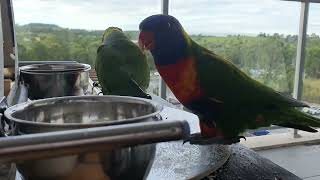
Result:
x=55 y=80
x=62 y=113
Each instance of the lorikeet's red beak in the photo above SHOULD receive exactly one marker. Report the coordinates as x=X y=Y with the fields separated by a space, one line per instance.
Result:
x=146 y=40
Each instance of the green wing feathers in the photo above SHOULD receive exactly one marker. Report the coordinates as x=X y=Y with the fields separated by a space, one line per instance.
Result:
x=223 y=81
x=229 y=84
x=121 y=66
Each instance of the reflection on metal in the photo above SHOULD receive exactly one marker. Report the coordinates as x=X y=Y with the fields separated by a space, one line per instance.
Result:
x=1 y=58
x=54 y=80
x=162 y=85
x=24 y=63
x=73 y=112
x=141 y=125
x=70 y=142
x=299 y=71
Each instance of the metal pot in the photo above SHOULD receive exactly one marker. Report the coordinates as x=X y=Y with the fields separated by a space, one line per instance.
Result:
x=55 y=79
x=65 y=113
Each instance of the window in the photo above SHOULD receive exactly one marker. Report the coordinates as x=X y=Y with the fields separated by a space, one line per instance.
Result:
x=72 y=30
x=311 y=84
x=259 y=37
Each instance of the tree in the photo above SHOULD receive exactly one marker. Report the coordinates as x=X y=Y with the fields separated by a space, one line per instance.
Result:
x=312 y=68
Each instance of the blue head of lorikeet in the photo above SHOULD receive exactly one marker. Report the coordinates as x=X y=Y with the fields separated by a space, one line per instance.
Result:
x=164 y=36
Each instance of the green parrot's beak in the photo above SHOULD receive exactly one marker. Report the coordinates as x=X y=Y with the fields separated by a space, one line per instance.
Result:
x=146 y=40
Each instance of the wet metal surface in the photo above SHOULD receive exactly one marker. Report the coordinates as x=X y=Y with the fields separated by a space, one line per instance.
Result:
x=245 y=164
x=169 y=113
x=177 y=161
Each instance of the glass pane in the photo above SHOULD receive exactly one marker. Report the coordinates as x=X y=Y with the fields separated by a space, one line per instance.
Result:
x=60 y=30
x=259 y=37
x=311 y=84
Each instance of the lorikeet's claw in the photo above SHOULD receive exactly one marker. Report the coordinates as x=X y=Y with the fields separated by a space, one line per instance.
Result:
x=95 y=84
x=148 y=96
x=236 y=139
x=200 y=140
x=193 y=137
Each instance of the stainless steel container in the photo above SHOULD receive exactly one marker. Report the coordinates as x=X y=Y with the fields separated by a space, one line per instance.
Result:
x=55 y=80
x=63 y=113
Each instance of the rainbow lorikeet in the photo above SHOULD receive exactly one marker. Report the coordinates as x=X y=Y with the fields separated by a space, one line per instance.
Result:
x=226 y=100
x=121 y=66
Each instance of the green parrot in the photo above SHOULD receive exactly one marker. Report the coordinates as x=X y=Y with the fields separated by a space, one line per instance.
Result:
x=121 y=66
x=226 y=100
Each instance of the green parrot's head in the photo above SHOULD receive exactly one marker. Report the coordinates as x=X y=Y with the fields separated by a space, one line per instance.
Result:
x=109 y=31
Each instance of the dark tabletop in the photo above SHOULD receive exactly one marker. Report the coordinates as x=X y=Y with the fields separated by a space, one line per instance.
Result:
x=245 y=164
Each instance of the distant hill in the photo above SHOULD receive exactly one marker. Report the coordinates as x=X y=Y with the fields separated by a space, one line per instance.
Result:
x=48 y=28
x=34 y=27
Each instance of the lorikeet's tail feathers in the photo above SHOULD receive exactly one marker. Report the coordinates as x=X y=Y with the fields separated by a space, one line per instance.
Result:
x=294 y=118
x=293 y=102
x=298 y=126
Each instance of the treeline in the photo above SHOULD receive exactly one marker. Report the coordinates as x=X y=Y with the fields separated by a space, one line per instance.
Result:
x=269 y=58
x=39 y=42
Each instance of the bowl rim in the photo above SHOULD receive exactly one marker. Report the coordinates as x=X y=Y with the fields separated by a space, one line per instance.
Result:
x=9 y=112
x=79 y=67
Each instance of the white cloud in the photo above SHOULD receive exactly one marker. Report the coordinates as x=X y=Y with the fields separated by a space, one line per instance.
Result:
x=85 y=14
x=197 y=16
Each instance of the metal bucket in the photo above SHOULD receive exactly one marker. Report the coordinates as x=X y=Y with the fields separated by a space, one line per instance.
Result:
x=64 y=113
x=55 y=79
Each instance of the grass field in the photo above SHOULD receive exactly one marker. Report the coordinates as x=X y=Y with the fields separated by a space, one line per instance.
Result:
x=311 y=90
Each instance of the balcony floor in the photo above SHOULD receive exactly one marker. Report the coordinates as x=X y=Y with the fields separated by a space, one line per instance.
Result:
x=301 y=160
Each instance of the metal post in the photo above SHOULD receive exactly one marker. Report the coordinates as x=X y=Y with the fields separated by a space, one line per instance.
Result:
x=1 y=59
x=16 y=54
x=165 y=7
x=299 y=71
x=162 y=84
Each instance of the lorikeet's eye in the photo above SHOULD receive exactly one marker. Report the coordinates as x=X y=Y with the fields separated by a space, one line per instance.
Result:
x=163 y=26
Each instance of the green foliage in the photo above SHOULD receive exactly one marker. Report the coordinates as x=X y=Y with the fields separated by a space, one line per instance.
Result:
x=312 y=66
x=269 y=59
x=44 y=42
x=311 y=90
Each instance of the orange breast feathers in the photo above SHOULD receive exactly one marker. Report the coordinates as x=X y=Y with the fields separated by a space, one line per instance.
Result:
x=182 y=80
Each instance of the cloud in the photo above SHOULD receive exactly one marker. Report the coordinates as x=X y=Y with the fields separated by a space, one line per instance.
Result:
x=197 y=16
x=85 y=14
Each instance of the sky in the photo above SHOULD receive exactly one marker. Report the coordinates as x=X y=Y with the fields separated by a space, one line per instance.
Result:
x=208 y=17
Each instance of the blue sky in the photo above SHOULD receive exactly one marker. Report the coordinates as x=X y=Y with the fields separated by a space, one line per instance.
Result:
x=212 y=17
